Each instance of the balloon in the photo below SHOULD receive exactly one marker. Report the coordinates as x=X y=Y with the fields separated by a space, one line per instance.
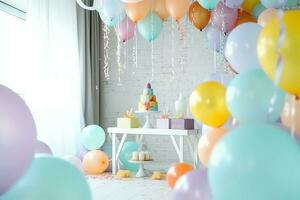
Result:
x=81 y=151
x=222 y=78
x=266 y=16
x=50 y=178
x=176 y=171
x=126 y=153
x=289 y=119
x=240 y=51
x=159 y=7
x=208 y=4
x=92 y=137
x=177 y=8
x=111 y=22
x=224 y=18
x=150 y=26
x=125 y=30
x=95 y=162
x=232 y=3
x=112 y=9
x=273 y=3
x=137 y=11
x=255 y=161
x=42 y=148
x=207 y=143
x=252 y=97
x=214 y=37
x=74 y=161
x=207 y=103
x=291 y=3
x=259 y=8
x=290 y=51
x=245 y=17
x=17 y=138
x=131 y=1
x=198 y=15
x=249 y=5
x=193 y=186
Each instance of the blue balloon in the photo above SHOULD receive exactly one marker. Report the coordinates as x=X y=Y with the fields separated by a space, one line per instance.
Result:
x=255 y=162
x=150 y=26
x=273 y=3
x=50 y=178
x=208 y=4
x=112 y=9
x=252 y=97
x=92 y=137
x=259 y=8
x=126 y=154
x=111 y=22
x=291 y=3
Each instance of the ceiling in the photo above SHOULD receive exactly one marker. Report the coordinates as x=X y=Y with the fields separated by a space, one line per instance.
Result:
x=19 y=4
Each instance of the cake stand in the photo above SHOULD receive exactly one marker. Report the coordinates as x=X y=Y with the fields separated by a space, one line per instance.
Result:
x=147 y=117
x=142 y=172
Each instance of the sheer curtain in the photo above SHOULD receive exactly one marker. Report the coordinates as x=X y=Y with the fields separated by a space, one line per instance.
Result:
x=53 y=86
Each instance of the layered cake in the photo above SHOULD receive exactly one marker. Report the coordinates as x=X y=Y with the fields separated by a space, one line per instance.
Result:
x=148 y=100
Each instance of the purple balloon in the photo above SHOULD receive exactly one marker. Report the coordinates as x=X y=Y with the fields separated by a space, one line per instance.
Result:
x=224 y=18
x=42 y=148
x=193 y=186
x=125 y=30
x=17 y=138
x=81 y=151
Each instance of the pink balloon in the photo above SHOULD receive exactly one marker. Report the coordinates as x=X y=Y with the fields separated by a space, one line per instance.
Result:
x=125 y=30
x=224 y=18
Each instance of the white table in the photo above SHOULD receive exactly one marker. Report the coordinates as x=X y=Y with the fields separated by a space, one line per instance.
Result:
x=191 y=135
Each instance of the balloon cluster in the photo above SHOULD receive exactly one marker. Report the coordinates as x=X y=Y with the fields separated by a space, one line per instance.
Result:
x=27 y=168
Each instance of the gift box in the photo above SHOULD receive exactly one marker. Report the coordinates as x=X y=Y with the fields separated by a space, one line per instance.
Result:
x=184 y=124
x=163 y=123
x=128 y=121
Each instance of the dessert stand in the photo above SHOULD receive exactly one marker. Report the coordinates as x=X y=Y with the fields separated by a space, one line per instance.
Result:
x=147 y=117
x=141 y=172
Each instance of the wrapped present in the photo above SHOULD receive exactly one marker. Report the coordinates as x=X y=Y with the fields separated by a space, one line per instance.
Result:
x=183 y=124
x=164 y=122
x=128 y=120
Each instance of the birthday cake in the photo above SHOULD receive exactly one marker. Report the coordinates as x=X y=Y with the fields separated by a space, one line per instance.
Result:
x=148 y=100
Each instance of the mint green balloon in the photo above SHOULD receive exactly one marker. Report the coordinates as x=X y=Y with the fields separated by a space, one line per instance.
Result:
x=291 y=3
x=113 y=21
x=252 y=97
x=208 y=4
x=259 y=8
x=50 y=178
x=150 y=26
x=92 y=137
x=255 y=162
x=126 y=154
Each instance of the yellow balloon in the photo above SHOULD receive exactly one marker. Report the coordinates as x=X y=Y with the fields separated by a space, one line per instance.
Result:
x=208 y=105
x=290 y=51
x=249 y=5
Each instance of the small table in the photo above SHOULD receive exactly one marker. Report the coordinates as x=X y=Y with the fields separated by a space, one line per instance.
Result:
x=139 y=132
x=141 y=172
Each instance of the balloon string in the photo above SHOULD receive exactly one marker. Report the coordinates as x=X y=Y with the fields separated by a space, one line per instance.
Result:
x=152 y=49
x=106 y=51
x=134 y=52
x=119 y=62
x=173 y=51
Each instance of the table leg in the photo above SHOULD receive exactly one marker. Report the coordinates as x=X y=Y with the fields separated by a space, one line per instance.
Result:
x=113 y=161
x=181 y=148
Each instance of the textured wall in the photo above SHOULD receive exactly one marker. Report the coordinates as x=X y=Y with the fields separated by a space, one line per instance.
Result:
x=193 y=61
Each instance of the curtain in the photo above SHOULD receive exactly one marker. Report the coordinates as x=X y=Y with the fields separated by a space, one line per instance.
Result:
x=89 y=33
x=53 y=83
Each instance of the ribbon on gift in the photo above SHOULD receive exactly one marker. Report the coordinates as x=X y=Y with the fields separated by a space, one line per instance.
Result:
x=129 y=114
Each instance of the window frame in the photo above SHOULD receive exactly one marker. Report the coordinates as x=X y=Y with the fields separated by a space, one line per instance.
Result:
x=12 y=10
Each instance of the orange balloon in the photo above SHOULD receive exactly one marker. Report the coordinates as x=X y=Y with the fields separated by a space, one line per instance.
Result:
x=177 y=8
x=176 y=171
x=137 y=11
x=198 y=15
x=266 y=16
x=245 y=17
x=159 y=7
x=249 y=5
x=287 y=117
x=95 y=162
x=207 y=143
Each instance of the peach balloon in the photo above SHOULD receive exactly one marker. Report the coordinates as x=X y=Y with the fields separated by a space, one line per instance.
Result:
x=245 y=17
x=177 y=8
x=176 y=171
x=287 y=118
x=207 y=143
x=198 y=15
x=267 y=16
x=159 y=7
x=137 y=11
x=95 y=162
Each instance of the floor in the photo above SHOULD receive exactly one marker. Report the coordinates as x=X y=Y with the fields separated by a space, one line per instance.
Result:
x=108 y=188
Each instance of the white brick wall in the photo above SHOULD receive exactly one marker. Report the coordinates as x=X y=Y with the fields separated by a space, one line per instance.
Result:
x=117 y=99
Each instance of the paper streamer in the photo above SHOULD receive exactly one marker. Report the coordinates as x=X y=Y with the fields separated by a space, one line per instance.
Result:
x=106 y=51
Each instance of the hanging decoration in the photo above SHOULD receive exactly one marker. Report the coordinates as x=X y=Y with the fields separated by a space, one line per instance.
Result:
x=150 y=26
x=198 y=15
x=125 y=30
x=177 y=8
x=137 y=11
x=159 y=7
x=208 y=4
x=106 y=42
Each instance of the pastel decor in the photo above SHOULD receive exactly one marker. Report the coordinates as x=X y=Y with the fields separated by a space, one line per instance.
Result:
x=176 y=171
x=273 y=3
x=255 y=161
x=267 y=48
x=42 y=148
x=290 y=116
x=95 y=162
x=128 y=121
x=150 y=26
x=138 y=10
x=177 y=8
x=126 y=153
x=50 y=178
x=92 y=137
x=208 y=4
x=163 y=123
x=183 y=124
